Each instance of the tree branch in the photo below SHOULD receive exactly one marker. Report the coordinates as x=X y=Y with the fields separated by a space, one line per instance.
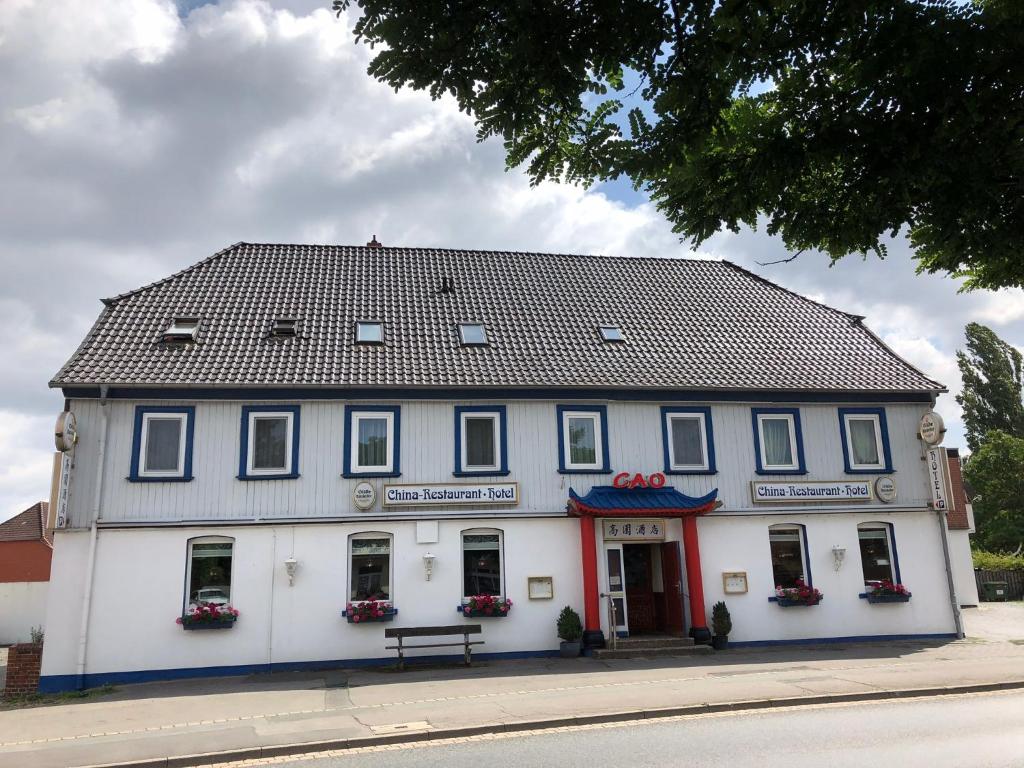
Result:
x=780 y=261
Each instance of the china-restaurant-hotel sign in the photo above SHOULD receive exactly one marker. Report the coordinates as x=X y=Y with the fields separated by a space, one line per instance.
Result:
x=427 y=494
x=842 y=490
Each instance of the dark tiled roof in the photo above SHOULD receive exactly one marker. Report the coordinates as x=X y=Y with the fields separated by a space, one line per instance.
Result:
x=30 y=525
x=688 y=324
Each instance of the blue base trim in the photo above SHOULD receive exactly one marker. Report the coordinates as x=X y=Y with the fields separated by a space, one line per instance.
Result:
x=493 y=393
x=848 y=639
x=61 y=683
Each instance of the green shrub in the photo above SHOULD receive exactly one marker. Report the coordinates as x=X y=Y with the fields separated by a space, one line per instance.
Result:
x=721 y=622
x=997 y=561
x=570 y=628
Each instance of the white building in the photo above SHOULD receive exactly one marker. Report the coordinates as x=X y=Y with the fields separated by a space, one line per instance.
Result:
x=294 y=429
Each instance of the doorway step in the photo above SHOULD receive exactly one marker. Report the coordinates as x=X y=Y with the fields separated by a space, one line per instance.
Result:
x=650 y=647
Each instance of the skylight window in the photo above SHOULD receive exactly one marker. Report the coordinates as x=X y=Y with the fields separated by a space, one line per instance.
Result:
x=284 y=326
x=611 y=333
x=473 y=334
x=369 y=332
x=182 y=329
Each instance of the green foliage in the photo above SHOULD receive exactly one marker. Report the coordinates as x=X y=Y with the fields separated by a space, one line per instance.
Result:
x=721 y=622
x=837 y=123
x=996 y=474
x=570 y=628
x=997 y=561
x=991 y=396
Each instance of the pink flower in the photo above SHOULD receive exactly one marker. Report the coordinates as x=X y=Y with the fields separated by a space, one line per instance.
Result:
x=355 y=618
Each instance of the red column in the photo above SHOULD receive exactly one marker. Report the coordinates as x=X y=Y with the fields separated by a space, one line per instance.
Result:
x=591 y=599
x=694 y=581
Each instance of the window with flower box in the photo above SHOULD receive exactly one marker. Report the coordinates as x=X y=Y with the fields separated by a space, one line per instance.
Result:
x=877 y=553
x=209 y=571
x=370 y=566
x=788 y=544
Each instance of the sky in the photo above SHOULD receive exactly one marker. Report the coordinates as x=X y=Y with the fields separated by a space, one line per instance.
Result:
x=139 y=136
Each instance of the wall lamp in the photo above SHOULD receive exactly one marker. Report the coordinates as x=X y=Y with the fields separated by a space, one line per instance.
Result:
x=428 y=565
x=291 y=565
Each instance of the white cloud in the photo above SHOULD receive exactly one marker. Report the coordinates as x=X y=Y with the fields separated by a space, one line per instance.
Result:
x=135 y=141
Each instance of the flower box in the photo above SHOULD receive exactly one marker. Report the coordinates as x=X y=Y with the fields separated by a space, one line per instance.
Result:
x=887 y=598
x=212 y=624
x=485 y=607
x=786 y=602
x=208 y=616
x=369 y=611
x=886 y=591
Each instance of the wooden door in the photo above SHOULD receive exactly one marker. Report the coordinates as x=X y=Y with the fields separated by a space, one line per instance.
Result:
x=639 y=588
x=672 y=578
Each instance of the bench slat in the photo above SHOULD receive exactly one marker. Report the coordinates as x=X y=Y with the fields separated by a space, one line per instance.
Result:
x=433 y=645
x=457 y=629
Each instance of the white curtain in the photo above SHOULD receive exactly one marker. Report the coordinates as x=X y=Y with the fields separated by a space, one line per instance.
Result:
x=778 y=450
x=862 y=437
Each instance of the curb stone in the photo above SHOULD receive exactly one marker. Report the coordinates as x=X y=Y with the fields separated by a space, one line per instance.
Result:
x=303 y=748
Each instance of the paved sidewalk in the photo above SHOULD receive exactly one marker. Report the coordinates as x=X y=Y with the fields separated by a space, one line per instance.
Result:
x=189 y=717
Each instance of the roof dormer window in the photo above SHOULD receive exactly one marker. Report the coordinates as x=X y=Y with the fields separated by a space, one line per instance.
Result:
x=284 y=326
x=611 y=333
x=473 y=334
x=182 y=329
x=369 y=332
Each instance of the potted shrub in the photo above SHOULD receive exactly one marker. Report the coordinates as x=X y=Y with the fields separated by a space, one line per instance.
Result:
x=486 y=606
x=801 y=594
x=886 y=591
x=721 y=623
x=570 y=630
x=368 y=611
x=208 y=616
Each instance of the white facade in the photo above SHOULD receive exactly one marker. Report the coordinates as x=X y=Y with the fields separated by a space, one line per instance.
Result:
x=138 y=568
x=22 y=607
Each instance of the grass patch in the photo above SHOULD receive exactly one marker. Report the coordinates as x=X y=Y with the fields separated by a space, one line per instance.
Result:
x=28 y=700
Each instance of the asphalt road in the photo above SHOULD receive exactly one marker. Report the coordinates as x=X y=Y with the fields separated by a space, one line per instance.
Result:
x=961 y=731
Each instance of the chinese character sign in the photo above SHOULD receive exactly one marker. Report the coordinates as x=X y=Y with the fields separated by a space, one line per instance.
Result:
x=634 y=530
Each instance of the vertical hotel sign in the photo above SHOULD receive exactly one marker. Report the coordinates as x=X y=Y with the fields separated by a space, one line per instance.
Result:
x=938 y=470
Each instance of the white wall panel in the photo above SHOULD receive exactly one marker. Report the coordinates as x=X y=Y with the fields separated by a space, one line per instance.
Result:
x=427 y=448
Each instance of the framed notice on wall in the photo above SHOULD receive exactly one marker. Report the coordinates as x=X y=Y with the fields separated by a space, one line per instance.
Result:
x=540 y=587
x=734 y=582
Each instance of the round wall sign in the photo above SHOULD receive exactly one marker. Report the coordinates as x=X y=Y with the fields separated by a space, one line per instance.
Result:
x=364 y=495
x=885 y=487
x=65 y=433
x=931 y=428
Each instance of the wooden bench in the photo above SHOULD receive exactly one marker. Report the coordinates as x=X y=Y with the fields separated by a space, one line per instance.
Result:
x=400 y=633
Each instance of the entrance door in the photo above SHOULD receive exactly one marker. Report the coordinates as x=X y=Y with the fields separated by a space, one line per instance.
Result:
x=616 y=586
x=641 y=608
x=672 y=578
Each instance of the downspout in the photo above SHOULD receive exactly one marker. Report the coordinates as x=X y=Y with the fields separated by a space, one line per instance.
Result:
x=954 y=603
x=90 y=568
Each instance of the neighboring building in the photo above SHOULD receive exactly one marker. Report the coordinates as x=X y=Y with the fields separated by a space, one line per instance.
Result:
x=295 y=428
x=25 y=552
x=961 y=525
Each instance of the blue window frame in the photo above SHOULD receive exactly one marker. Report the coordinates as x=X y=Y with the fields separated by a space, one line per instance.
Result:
x=269 y=442
x=583 y=439
x=879 y=559
x=481 y=440
x=372 y=441
x=688 y=440
x=790 y=555
x=162 y=444
x=778 y=441
x=865 y=436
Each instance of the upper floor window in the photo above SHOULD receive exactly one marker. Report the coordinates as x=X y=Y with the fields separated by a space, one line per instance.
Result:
x=372 y=440
x=270 y=442
x=778 y=441
x=481 y=562
x=688 y=440
x=788 y=544
x=480 y=440
x=878 y=553
x=209 y=571
x=370 y=566
x=865 y=438
x=583 y=439
x=472 y=334
x=369 y=332
x=162 y=443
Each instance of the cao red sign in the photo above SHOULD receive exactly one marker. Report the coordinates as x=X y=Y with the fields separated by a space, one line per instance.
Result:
x=638 y=480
